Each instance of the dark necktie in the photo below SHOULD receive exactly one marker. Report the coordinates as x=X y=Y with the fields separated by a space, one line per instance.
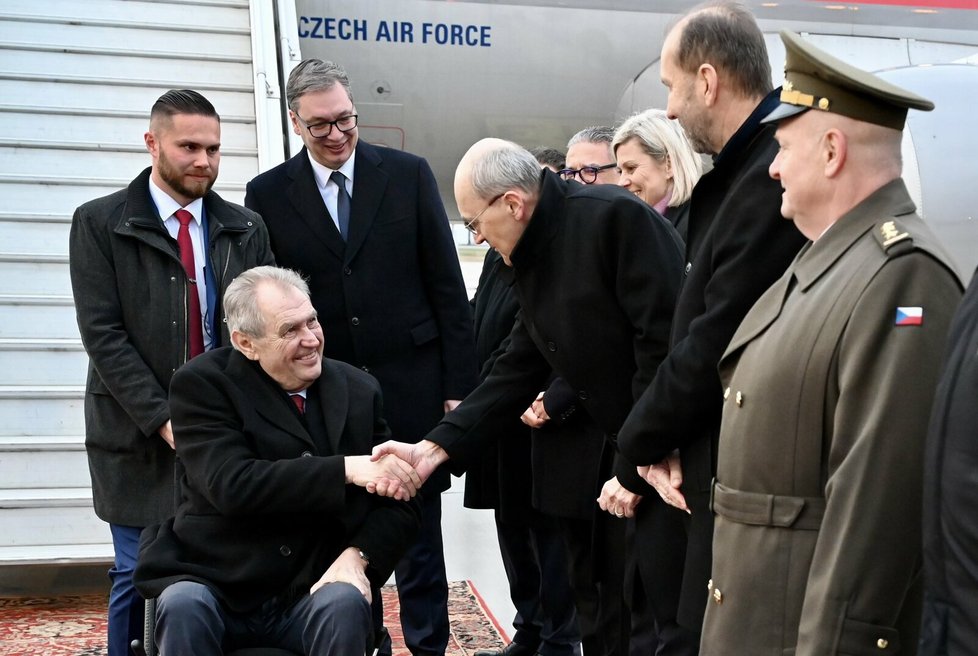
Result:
x=300 y=403
x=195 y=328
x=342 y=203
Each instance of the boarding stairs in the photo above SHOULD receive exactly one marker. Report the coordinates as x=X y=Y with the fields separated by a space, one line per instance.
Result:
x=77 y=80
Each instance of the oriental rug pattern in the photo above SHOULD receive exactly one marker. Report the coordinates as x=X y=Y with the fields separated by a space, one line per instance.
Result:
x=75 y=625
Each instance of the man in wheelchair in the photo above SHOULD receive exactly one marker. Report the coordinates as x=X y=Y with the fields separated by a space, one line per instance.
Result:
x=277 y=539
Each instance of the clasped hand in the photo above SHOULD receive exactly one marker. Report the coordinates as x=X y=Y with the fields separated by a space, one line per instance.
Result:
x=386 y=476
x=424 y=457
x=666 y=477
x=536 y=415
x=618 y=501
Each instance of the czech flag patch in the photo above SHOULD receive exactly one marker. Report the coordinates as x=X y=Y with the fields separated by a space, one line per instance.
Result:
x=909 y=316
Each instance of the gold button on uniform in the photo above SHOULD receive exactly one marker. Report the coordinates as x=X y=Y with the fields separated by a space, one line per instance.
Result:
x=717 y=595
x=709 y=585
x=739 y=399
x=726 y=394
x=882 y=643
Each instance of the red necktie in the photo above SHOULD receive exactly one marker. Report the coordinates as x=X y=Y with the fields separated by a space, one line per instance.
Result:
x=195 y=328
x=300 y=403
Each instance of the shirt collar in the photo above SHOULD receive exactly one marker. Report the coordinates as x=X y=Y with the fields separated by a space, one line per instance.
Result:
x=322 y=173
x=749 y=129
x=167 y=206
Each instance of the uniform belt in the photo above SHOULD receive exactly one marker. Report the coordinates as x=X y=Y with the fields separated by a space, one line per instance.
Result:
x=801 y=513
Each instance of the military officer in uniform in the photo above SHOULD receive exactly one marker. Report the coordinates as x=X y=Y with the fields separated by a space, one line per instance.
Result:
x=828 y=386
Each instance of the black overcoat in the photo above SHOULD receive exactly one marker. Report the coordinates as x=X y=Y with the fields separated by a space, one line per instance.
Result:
x=502 y=480
x=597 y=273
x=130 y=292
x=738 y=244
x=950 y=624
x=391 y=299
x=265 y=508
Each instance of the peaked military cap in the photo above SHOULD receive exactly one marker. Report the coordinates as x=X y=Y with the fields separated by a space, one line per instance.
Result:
x=815 y=79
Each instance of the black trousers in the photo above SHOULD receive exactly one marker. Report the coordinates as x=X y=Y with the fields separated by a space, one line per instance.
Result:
x=535 y=558
x=422 y=586
x=597 y=573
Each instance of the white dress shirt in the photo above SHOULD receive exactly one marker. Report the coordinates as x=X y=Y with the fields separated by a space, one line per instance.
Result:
x=327 y=188
x=167 y=207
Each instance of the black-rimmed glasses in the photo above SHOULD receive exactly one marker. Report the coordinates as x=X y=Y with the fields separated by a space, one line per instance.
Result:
x=320 y=130
x=587 y=174
x=472 y=225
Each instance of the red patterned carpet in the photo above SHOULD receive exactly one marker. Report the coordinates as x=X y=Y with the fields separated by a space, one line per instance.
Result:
x=75 y=626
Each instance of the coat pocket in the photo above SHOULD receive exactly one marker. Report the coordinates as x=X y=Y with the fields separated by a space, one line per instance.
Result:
x=865 y=639
x=424 y=332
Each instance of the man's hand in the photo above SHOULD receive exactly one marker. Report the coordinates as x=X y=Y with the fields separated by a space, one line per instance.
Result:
x=536 y=415
x=166 y=432
x=667 y=477
x=451 y=404
x=616 y=500
x=350 y=568
x=387 y=476
x=425 y=456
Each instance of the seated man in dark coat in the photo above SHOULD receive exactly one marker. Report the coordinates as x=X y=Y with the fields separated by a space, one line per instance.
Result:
x=275 y=541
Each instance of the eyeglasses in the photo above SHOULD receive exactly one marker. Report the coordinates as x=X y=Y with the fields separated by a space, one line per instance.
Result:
x=472 y=225
x=320 y=130
x=588 y=174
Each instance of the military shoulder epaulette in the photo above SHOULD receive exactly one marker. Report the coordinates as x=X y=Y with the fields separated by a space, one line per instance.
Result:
x=892 y=238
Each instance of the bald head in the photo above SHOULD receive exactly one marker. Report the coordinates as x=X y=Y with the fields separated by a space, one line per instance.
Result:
x=497 y=184
x=493 y=166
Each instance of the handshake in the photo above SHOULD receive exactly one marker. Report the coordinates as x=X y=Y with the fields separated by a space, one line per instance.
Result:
x=395 y=469
x=398 y=470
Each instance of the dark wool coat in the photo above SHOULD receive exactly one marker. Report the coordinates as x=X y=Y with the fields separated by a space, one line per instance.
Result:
x=950 y=624
x=502 y=480
x=130 y=294
x=597 y=273
x=265 y=506
x=738 y=245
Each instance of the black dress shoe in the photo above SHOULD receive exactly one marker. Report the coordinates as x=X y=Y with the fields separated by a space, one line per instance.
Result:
x=512 y=649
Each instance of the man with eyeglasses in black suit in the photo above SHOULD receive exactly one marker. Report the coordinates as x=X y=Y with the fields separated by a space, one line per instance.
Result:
x=367 y=226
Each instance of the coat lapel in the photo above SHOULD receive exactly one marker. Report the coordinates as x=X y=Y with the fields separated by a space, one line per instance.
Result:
x=369 y=184
x=334 y=399
x=765 y=310
x=888 y=201
x=308 y=204
x=815 y=258
x=267 y=398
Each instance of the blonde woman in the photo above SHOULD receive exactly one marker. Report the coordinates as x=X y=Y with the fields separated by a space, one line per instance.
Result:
x=658 y=164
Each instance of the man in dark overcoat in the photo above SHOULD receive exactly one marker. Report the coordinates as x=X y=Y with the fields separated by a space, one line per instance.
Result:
x=367 y=226
x=533 y=551
x=950 y=623
x=597 y=272
x=828 y=388
x=142 y=312
x=715 y=64
x=275 y=541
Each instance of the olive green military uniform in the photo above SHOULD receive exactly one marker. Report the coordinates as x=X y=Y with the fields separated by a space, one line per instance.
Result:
x=828 y=385
x=818 y=496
